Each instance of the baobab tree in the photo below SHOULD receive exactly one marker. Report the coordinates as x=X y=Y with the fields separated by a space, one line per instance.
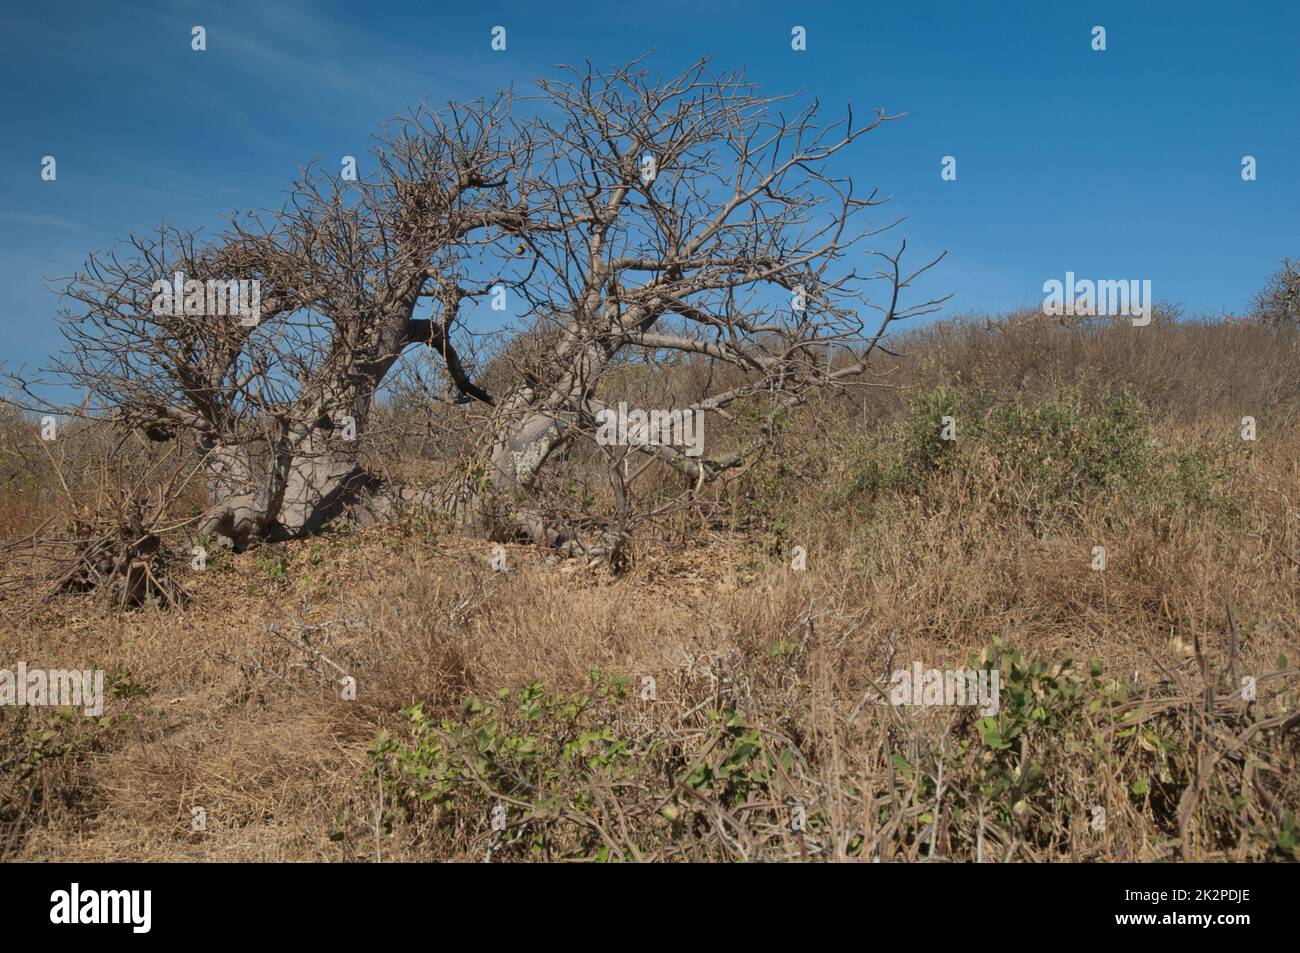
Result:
x=625 y=217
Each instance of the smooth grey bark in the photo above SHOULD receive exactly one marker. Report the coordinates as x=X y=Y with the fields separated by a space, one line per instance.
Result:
x=292 y=481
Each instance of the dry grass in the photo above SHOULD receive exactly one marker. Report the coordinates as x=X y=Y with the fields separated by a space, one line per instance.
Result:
x=232 y=702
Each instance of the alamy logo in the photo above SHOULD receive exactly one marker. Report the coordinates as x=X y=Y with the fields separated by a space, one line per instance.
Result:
x=241 y=297
x=1106 y=297
x=658 y=428
x=53 y=687
x=963 y=686
x=103 y=906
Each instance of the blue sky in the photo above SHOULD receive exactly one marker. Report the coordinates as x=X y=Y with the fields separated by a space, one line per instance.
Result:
x=1117 y=164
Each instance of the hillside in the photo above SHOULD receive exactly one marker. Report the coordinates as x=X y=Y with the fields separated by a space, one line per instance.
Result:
x=1122 y=734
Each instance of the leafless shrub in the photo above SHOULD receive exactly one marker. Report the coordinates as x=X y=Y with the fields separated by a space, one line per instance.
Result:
x=109 y=531
x=1278 y=303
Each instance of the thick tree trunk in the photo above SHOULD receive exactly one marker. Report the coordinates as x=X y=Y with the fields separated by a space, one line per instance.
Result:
x=322 y=478
x=501 y=498
x=316 y=486
x=286 y=486
x=501 y=503
x=236 y=512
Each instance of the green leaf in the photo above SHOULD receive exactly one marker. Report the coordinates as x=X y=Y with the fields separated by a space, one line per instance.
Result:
x=990 y=734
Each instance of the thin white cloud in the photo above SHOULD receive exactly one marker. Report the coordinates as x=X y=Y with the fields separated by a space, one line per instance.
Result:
x=37 y=221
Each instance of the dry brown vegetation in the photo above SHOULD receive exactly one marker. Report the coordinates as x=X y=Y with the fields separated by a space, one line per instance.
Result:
x=1069 y=437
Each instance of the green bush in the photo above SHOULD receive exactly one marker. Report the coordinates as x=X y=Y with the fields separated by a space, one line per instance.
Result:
x=1049 y=456
x=571 y=776
x=604 y=776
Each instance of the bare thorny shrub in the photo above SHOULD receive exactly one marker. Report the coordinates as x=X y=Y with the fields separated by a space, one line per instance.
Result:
x=1278 y=304
x=112 y=502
